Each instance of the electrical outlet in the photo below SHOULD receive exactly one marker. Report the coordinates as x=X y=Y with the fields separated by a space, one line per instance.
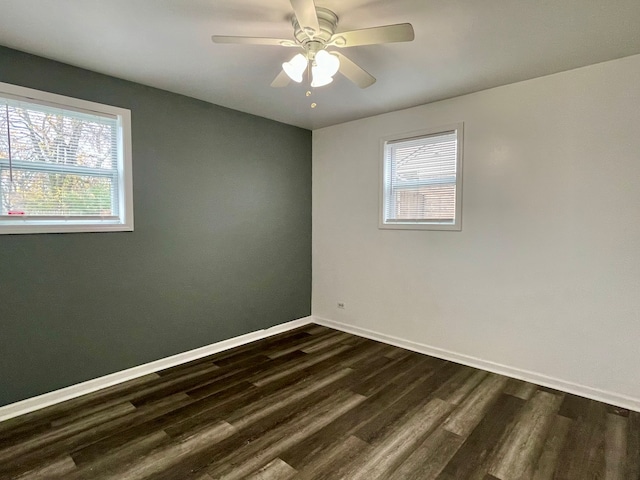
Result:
x=341 y=305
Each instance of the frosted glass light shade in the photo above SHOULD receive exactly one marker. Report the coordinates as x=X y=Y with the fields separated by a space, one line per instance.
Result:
x=329 y=64
x=295 y=67
x=320 y=79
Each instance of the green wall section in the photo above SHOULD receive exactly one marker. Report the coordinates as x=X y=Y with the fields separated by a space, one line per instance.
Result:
x=221 y=247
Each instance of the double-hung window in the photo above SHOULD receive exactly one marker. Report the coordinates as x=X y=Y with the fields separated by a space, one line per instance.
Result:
x=65 y=164
x=422 y=180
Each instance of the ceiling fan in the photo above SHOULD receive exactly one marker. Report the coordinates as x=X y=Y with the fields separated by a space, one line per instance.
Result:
x=314 y=32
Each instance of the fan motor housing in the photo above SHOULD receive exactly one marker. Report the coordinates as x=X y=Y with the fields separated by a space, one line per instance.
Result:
x=328 y=22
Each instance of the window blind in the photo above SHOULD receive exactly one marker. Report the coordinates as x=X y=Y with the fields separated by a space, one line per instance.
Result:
x=57 y=162
x=420 y=179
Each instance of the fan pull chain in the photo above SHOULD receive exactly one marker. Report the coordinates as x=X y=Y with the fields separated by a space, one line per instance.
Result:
x=313 y=104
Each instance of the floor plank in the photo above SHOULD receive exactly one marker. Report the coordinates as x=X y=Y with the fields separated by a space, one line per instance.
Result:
x=583 y=452
x=274 y=470
x=430 y=458
x=633 y=446
x=394 y=448
x=473 y=409
x=470 y=460
x=520 y=450
x=550 y=455
x=615 y=447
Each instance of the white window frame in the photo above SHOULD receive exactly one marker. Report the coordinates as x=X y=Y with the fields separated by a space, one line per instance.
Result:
x=422 y=225
x=124 y=220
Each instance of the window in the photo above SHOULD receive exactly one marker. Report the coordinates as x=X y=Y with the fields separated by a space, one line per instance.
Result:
x=422 y=180
x=65 y=164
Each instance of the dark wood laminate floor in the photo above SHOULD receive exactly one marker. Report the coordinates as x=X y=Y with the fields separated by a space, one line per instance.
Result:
x=315 y=403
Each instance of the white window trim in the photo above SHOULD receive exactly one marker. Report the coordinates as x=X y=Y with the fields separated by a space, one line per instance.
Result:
x=427 y=225
x=123 y=223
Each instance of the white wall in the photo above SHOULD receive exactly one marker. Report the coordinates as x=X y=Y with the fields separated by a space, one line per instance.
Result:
x=545 y=274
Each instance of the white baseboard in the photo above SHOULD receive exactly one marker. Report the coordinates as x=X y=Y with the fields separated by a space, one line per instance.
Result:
x=526 y=375
x=73 y=391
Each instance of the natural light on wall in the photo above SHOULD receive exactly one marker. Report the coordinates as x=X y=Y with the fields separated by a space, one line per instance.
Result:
x=65 y=164
x=422 y=180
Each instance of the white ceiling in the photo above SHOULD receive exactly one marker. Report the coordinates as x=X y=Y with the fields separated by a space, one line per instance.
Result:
x=461 y=46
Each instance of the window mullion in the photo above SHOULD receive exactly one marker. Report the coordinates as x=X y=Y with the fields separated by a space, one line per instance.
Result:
x=57 y=168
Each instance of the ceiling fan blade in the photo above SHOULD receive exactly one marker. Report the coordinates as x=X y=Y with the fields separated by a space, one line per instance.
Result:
x=282 y=80
x=279 y=42
x=402 y=32
x=354 y=72
x=305 y=11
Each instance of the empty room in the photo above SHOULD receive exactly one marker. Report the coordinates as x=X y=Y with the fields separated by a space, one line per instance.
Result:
x=319 y=239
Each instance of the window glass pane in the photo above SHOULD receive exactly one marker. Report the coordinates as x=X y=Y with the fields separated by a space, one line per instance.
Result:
x=55 y=194
x=429 y=202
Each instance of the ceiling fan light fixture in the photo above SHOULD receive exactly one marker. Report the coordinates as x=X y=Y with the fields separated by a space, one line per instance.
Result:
x=314 y=30
x=295 y=67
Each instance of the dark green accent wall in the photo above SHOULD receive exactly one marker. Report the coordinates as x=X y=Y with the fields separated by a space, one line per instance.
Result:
x=221 y=247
